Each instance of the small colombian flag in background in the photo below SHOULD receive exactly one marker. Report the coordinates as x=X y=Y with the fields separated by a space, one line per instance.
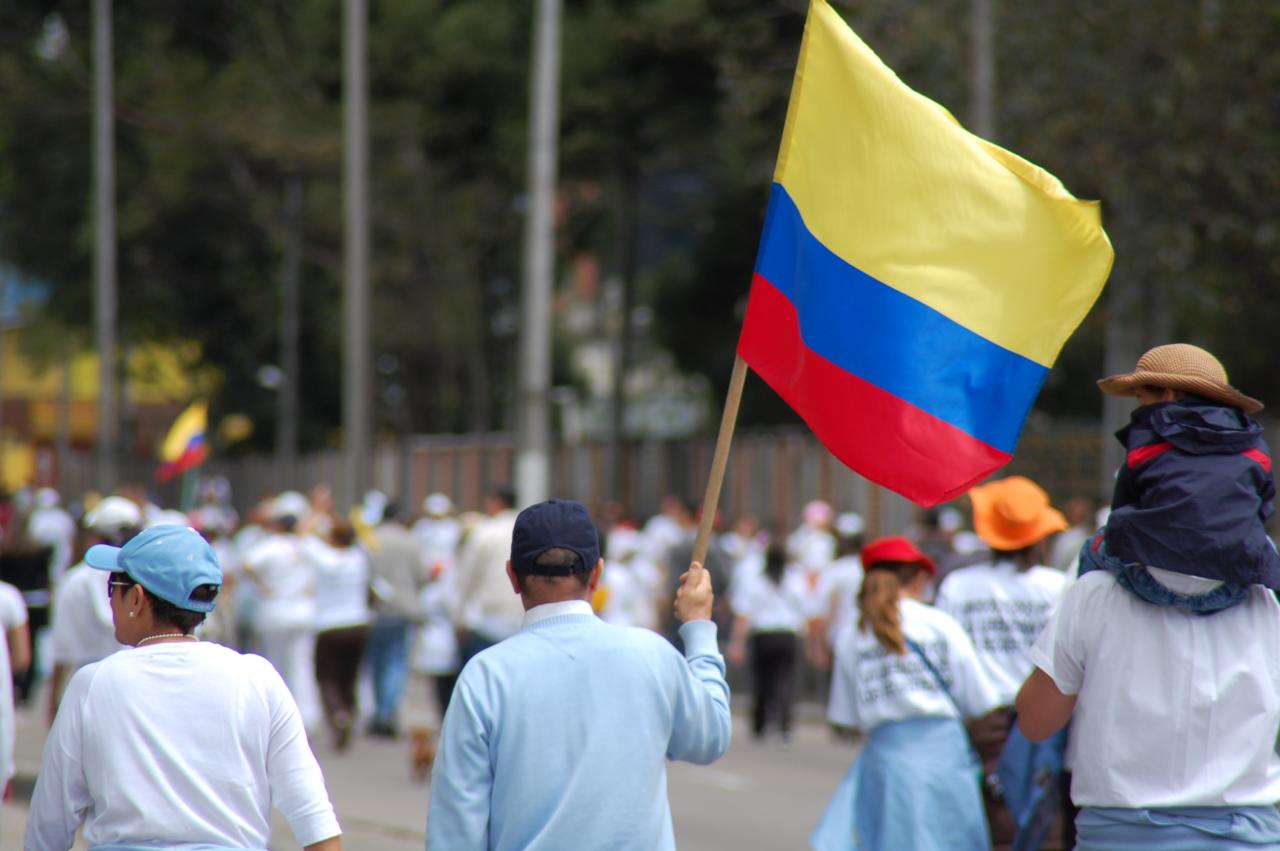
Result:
x=914 y=283
x=185 y=446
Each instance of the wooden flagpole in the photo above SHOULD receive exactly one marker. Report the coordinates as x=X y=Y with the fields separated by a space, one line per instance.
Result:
x=720 y=460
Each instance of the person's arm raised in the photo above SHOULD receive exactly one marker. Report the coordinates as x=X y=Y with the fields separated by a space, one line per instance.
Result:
x=702 y=726
x=694 y=597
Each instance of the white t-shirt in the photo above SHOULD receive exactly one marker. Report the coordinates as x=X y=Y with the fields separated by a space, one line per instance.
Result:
x=871 y=686
x=661 y=533
x=13 y=614
x=53 y=527
x=835 y=598
x=8 y=720
x=630 y=597
x=13 y=609
x=439 y=537
x=342 y=584
x=228 y=555
x=814 y=549
x=177 y=743
x=437 y=648
x=83 y=629
x=248 y=535
x=485 y=600
x=739 y=546
x=746 y=569
x=1003 y=610
x=773 y=608
x=287 y=582
x=1173 y=709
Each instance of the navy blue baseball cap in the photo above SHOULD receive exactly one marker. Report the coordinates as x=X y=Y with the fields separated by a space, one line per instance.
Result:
x=554 y=524
x=169 y=561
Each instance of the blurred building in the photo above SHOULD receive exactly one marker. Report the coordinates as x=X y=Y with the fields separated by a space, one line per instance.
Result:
x=49 y=397
x=663 y=403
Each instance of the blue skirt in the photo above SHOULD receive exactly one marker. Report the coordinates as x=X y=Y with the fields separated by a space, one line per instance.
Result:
x=915 y=785
x=117 y=846
x=151 y=846
x=1177 y=829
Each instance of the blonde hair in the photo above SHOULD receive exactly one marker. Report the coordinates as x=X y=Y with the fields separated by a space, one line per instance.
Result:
x=878 y=603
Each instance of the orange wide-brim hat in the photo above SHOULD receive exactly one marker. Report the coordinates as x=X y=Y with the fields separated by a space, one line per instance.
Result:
x=1014 y=513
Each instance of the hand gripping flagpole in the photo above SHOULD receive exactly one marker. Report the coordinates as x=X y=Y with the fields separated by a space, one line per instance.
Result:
x=720 y=460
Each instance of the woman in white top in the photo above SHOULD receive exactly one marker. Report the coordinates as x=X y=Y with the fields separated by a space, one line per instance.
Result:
x=905 y=675
x=286 y=608
x=342 y=623
x=15 y=656
x=769 y=612
x=174 y=742
x=832 y=605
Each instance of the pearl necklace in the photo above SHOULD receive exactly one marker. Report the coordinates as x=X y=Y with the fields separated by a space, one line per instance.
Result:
x=142 y=641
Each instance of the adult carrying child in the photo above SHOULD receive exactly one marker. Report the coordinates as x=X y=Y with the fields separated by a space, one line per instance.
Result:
x=1162 y=655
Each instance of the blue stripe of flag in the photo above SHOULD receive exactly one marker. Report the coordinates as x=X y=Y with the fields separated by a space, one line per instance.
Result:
x=892 y=340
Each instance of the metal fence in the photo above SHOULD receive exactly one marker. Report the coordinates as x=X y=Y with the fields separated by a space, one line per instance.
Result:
x=771 y=473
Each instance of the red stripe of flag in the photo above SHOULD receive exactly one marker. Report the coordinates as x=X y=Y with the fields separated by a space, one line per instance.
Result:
x=887 y=440
x=193 y=457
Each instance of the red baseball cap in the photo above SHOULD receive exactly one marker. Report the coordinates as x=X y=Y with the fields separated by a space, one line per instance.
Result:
x=895 y=549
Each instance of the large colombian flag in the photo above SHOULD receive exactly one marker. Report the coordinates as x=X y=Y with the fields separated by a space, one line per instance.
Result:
x=185 y=447
x=914 y=282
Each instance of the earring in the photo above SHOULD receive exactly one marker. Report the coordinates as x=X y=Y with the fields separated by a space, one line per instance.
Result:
x=131 y=614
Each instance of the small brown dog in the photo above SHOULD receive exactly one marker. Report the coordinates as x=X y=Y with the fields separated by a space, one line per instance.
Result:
x=422 y=752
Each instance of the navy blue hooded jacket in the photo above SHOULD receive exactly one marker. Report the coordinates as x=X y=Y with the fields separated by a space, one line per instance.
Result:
x=1194 y=492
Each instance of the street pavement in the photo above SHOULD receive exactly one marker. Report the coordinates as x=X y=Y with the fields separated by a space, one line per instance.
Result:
x=760 y=795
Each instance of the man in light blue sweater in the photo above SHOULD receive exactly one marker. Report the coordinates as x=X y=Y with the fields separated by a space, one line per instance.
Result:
x=557 y=738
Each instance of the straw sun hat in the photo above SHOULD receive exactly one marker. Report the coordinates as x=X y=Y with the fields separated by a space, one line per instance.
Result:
x=1181 y=366
x=1014 y=513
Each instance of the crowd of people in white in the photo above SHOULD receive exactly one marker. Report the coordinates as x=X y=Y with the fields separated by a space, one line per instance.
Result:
x=320 y=595
x=324 y=596
x=351 y=609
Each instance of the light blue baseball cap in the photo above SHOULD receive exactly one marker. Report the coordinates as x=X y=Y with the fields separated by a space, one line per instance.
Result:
x=169 y=561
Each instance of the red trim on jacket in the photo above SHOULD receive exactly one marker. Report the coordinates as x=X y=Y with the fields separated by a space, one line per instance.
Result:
x=1259 y=456
x=1143 y=454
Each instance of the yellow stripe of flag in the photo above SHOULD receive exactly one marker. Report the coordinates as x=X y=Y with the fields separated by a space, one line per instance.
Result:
x=190 y=423
x=888 y=181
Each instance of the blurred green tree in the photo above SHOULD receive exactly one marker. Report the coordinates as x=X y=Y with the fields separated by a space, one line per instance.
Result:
x=218 y=106
x=1169 y=113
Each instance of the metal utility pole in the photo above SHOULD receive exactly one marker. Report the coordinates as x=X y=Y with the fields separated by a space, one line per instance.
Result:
x=533 y=457
x=626 y=188
x=290 y=284
x=63 y=446
x=982 y=58
x=104 y=270
x=356 y=378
